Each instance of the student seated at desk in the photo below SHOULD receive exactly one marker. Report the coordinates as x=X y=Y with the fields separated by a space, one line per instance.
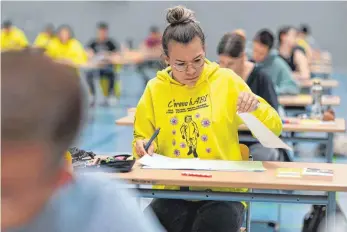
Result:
x=273 y=65
x=292 y=54
x=101 y=49
x=232 y=55
x=66 y=49
x=307 y=42
x=12 y=38
x=43 y=38
x=40 y=120
x=152 y=44
x=195 y=102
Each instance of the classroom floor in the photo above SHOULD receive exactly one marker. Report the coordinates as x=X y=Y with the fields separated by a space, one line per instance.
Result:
x=102 y=136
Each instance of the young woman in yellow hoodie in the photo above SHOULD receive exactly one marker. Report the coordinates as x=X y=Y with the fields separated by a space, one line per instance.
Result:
x=12 y=38
x=66 y=49
x=44 y=38
x=195 y=103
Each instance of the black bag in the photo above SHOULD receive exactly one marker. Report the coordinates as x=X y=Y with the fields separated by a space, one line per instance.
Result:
x=316 y=217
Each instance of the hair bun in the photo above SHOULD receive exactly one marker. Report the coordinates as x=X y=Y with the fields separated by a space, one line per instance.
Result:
x=180 y=15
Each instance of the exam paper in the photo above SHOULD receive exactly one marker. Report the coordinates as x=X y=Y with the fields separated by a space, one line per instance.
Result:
x=262 y=133
x=161 y=162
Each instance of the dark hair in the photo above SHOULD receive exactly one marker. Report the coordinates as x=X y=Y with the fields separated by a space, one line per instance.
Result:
x=265 y=37
x=51 y=115
x=182 y=28
x=154 y=29
x=103 y=25
x=283 y=31
x=6 y=24
x=231 y=44
x=65 y=26
x=49 y=27
x=304 y=28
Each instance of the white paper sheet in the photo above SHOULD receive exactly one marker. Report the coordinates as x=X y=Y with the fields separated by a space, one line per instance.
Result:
x=161 y=162
x=262 y=133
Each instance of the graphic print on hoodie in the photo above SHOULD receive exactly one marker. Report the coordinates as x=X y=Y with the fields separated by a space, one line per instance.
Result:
x=187 y=120
x=198 y=121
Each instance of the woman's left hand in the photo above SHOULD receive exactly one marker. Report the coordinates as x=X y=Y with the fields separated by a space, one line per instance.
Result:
x=247 y=102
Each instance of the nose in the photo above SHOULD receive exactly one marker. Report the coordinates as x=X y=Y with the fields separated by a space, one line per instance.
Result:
x=190 y=70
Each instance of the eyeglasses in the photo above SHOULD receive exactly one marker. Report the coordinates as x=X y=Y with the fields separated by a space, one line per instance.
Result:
x=197 y=63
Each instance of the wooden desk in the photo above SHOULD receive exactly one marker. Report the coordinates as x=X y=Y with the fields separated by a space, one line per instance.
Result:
x=330 y=83
x=128 y=57
x=339 y=126
x=305 y=100
x=321 y=68
x=253 y=180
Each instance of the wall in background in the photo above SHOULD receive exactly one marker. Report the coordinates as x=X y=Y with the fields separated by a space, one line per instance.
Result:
x=133 y=19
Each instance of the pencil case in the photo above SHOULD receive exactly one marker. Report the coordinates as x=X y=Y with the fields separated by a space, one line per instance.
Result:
x=116 y=163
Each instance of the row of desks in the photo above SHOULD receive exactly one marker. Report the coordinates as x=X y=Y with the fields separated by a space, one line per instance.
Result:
x=254 y=180
x=337 y=126
x=303 y=100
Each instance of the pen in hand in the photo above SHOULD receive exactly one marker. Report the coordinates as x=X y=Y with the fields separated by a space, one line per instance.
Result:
x=154 y=136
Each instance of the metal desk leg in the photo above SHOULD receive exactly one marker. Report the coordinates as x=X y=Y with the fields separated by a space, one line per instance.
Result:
x=331 y=211
x=138 y=199
x=329 y=149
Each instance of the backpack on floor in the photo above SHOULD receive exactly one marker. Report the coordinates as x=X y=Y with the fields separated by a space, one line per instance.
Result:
x=315 y=219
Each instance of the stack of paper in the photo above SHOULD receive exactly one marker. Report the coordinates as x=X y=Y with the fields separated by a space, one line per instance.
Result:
x=161 y=162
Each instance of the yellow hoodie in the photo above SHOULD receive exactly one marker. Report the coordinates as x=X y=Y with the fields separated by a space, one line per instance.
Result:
x=14 y=39
x=72 y=51
x=42 y=40
x=199 y=120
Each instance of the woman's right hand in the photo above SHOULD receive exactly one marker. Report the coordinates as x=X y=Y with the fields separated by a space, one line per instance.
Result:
x=140 y=147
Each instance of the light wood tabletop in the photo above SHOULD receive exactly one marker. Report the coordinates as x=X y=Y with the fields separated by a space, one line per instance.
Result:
x=305 y=100
x=257 y=180
x=337 y=126
x=330 y=83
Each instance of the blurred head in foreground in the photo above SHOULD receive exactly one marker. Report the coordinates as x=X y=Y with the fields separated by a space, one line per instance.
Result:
x=41 y=114
x=42 y=111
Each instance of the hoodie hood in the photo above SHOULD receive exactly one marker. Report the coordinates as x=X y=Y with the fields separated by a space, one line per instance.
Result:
x=206 y=77
x=273 y=54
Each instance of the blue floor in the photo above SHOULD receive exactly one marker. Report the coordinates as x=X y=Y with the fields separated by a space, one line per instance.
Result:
x=102 y=136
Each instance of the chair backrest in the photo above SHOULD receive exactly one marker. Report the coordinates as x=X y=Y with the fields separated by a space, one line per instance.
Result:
x=244 y=152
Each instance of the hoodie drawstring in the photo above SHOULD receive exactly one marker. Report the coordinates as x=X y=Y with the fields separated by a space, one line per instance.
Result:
x=211 y=101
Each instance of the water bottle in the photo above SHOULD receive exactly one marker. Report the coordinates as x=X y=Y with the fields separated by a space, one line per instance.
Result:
x=317 y=92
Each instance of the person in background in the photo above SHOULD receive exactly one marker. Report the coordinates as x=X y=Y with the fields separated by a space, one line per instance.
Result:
x=40 y=121
x=43 y=38
x=100 y=50
x=194 y=102
x=232 y=55
x=152 y=47
x=292 y=54
x=272 y=64
x=66 y=49
x=307 y=42
x=12 y=37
